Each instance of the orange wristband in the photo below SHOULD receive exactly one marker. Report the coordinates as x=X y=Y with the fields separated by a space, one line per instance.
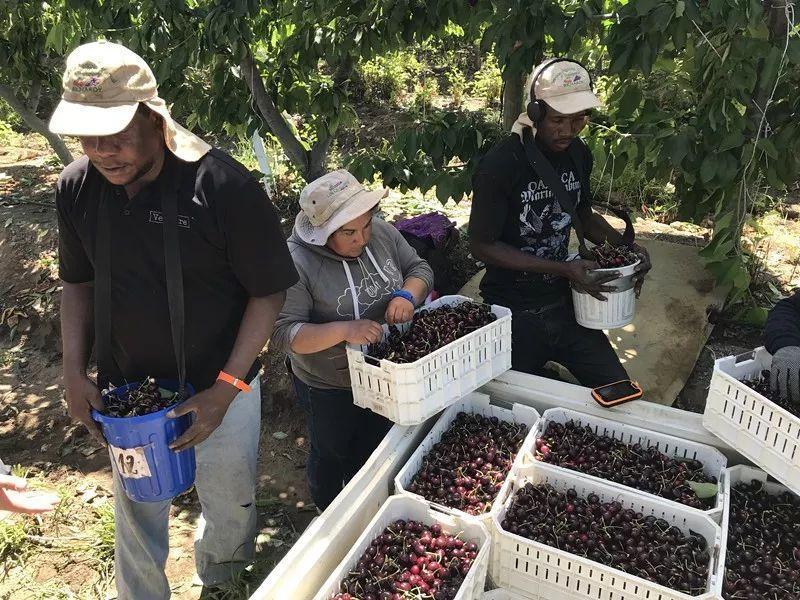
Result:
x=237 y=383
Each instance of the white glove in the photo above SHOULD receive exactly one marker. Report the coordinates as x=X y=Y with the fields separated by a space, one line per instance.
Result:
x=785 y=373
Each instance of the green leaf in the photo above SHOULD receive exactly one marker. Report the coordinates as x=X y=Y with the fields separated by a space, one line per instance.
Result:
x=680 y=7
x=645 y=6
x=702 y=489
x=732 y=140
x=768 y=147
x=708 y=168
x=677 y=147
x=726 y=168
x=629 y=102
x=756 y=316
x=443 y=188
x=55 y=38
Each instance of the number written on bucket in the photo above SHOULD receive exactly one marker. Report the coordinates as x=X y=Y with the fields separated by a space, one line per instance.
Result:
x=130 y=462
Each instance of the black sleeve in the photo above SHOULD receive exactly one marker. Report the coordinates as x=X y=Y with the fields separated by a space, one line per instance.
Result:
x=783 y=324
x=74 y=265
x=256 y=247
x=489 y=208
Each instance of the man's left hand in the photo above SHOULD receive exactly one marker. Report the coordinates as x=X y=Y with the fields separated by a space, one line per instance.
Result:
x=643 y=267
x=209 y=408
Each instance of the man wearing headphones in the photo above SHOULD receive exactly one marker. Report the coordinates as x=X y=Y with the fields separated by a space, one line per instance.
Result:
x=521 y=230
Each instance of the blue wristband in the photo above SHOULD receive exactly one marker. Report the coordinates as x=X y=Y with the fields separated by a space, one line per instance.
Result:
x=404 y=294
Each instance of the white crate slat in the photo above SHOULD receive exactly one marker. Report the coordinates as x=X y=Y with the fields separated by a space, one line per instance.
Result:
x=537 y=571
x=410 y=393
x=475 y=403
x=408 y=508
x=759 y=429
x=714 y=462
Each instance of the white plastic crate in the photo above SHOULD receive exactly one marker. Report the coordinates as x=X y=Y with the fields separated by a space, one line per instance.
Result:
x=758 y=428
x=478 y=404
x=734 y=475
x=616 y=310
x=714 y=462
x=501 y=594
x=407 y=508
x=540 y=572
x=410 y=393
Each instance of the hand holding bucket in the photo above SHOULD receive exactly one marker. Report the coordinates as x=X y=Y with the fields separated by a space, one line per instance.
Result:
x=139 y=448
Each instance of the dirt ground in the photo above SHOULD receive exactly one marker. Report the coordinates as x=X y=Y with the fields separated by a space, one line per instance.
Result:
x=70 y=554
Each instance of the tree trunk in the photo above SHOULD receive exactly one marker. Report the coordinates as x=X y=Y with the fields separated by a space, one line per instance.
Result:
x=34 y=95
x=318 y=156
x=35 y=123
x=513 y=98
x=775 y=18
x=273 y=117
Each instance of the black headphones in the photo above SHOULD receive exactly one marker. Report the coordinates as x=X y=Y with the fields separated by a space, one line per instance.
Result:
x=537 y=109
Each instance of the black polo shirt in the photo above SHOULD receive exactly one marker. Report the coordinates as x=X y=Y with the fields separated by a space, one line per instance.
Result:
x=231 y=249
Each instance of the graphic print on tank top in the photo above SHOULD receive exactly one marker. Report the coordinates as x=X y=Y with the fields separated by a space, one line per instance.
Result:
x=544 y=227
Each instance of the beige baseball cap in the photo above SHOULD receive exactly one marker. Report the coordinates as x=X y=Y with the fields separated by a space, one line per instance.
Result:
x=329 y=202
x=564 y=85
x=104 y=83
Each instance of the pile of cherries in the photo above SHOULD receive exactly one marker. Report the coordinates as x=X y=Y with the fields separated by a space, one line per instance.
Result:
x=467 y=467
x=763 y=558
x=763 y=387
x=147 y=398
x=430 y=330
x=579 y=448
x=409 y=560
x=611 y=257
x=605 y=532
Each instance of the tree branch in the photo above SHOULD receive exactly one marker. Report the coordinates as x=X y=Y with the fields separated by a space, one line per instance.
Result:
x=275 y=121
x=35 y=123
x=319 y=151
x=513 y=98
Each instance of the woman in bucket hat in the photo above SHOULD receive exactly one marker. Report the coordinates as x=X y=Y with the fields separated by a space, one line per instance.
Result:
x=235 y=270
x=355 y=271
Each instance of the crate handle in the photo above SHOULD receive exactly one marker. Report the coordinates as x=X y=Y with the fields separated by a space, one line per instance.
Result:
x=502 y=403
x=371 y=360
x=745 y=356
x=443 y=510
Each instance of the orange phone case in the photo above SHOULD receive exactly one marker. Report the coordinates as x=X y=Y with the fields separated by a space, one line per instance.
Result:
x=602 y=402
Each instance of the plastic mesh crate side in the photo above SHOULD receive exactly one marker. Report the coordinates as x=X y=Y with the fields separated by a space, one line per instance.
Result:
x=764 y=432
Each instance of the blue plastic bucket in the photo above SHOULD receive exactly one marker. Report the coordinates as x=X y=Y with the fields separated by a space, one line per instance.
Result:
x=139 y=448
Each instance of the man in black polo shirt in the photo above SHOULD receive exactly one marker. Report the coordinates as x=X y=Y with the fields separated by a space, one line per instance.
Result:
x=521 y=231
x=236 y=268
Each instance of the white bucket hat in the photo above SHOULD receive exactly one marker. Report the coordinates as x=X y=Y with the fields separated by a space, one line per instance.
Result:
x=564 y=85
x=331 y=201
x=104 y=83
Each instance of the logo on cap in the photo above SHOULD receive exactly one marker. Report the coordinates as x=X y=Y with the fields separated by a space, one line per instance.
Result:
x=91 y=84
x=336 y=186
x=571 y=78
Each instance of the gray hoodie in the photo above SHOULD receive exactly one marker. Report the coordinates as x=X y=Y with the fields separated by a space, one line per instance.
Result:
x=326 y=290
